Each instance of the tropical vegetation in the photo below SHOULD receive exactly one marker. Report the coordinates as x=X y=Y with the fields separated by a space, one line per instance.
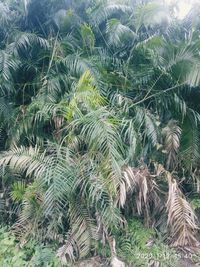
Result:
x=99 y=132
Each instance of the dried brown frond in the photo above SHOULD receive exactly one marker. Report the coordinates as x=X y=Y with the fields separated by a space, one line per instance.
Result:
x=181 y=217
x=137 y=180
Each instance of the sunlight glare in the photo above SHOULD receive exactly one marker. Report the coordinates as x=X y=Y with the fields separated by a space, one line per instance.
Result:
x=184 y=6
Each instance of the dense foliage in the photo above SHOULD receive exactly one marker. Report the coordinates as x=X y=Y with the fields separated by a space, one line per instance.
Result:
x=99 y=128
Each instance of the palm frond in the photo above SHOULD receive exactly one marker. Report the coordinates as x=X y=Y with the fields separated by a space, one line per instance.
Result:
x=105 y=10
x=181 y=217
x=18 y=191
x=5 y=14
x=83 y=231
x=172 y=134
x=7 y=65
x=138 y=180
x=118 y=34
x=24 y=41
x=87 y=36
x=189 y=150
x=77 y=65
x=86 y=97
x=23 y=159
x=99 y=130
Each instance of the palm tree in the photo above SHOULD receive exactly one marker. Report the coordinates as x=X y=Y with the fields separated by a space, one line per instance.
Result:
x=98 y=111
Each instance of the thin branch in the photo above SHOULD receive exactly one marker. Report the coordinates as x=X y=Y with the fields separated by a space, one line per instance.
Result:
x=159 y=93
